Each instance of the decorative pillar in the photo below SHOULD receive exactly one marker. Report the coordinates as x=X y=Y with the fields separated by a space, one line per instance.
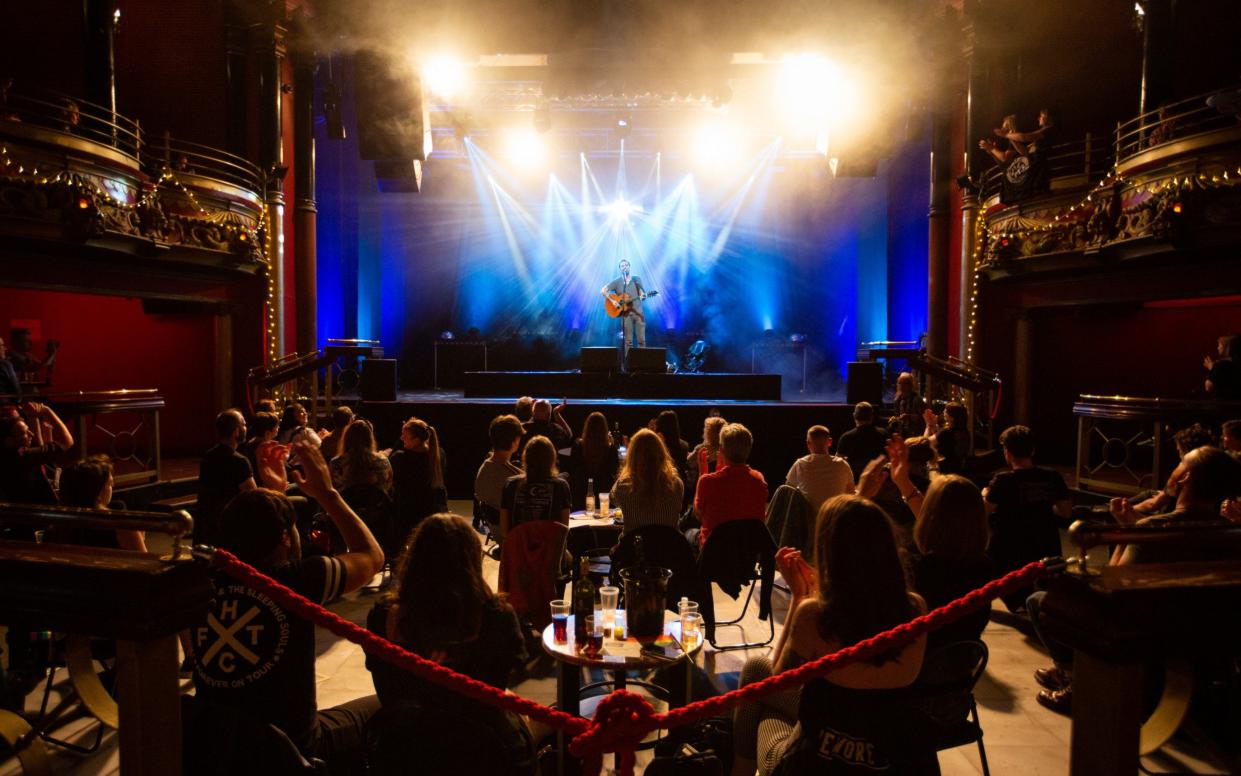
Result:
x=100 y=48
x=271 y=52
x=236 y=114
x=1157 y=54
x=305 y=257
x=970 y=204
x=937 y=248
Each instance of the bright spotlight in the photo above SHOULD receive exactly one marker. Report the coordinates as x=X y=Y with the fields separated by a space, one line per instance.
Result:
x=444 y=75
x=525 y=147
x=620 y=209
x=715 y=143
x=815 y=92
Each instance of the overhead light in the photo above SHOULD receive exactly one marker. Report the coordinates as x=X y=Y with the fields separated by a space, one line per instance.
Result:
x=620 y=209
x=1139 y=9
x=814 y=92
x=443 y=75
x=624 y=124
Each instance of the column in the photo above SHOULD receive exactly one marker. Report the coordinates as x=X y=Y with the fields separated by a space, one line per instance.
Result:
x=100 y=53
x=970 y=205
x=1157 y=54
x=937 y=248
x=236 y=86
x=270 y=44
x=305 y=258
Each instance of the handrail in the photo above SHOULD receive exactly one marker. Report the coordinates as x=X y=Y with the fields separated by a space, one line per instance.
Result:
x=1090 y=157
x=73 y=116
x=175 y=156
x=1087 y=534
x=1176 y=120
x=176 y=524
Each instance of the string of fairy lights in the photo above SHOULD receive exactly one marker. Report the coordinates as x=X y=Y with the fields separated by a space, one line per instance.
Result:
x=15 y=168
x=983 y=233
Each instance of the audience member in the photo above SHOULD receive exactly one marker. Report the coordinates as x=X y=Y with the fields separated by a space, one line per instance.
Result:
x=1028 y=504
x=523 y=408
x=222 y=474
x=951 y=538
x=10 y=383
x=252 y=656
x=442 y=609
x=820 y=475
x=88 y=484
x=1223 y=380
x=26 y=456
x=595 y=457
x=267 y=405
x=505 y=432
x=1230 y=437
x=25 y=363
x=668 y=426
x=734 y=491
x=548 y=422
x=648 y=490
x=952 y=441
x=920 y=451
x=864 y=442
x=418 y=475
x=538 y=493
x=360 y=462
x=294 y=428
x=702 y=459
x=855 y=590
x=908 y=406
x=263 y=428
x=333 y=441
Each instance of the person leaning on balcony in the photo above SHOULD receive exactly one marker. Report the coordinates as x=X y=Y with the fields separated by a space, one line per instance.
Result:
x=1223 y=377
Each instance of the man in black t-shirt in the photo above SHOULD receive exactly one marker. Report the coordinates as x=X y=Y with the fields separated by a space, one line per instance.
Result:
x=863 y=443
x=1027 y=505
x=548 y=422
x=250 y=654
x=223 y=474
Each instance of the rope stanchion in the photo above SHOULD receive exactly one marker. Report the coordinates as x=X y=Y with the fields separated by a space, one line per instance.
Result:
x=623 y=718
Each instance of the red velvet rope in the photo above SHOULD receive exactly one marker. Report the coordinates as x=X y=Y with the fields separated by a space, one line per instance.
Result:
x=623 y=718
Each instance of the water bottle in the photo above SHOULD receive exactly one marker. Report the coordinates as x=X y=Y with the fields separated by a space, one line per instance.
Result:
x=590 y=495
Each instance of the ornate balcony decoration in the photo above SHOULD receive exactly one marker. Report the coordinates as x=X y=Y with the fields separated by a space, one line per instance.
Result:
x=71 y=170
x=1172 y=181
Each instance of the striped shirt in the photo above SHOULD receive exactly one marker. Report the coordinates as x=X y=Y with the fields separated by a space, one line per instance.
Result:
x=663 y=509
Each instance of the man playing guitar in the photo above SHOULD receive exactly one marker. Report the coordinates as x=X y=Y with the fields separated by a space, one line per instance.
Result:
x=625 y=294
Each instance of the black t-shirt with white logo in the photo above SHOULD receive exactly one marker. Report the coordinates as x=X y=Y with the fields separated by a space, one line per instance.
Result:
x=528 y=500
x=252 y=655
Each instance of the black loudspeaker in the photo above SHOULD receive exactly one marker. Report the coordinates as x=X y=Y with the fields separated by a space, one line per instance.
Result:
x=393 y=117
x=398 y=175
x=865 y=382
x=599 y=359
x=648 y=360
x=378 y=380
x=454 y=358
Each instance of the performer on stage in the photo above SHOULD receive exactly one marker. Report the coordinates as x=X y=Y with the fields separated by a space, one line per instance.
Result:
x=627 y=290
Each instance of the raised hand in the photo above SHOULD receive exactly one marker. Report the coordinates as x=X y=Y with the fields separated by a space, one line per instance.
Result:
x=872 y=478
x=898 y=455
x=1122 y=511
x=271 y=458
x=315 y=478
x=800 y=575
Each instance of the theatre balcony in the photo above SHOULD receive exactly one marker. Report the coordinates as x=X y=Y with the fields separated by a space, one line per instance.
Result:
x=1164 y=187
x=82 y=187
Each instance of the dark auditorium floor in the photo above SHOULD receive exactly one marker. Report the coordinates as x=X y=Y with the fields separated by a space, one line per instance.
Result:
x=1021 y=736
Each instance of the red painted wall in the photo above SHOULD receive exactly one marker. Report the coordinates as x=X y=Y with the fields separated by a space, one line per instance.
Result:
x=108 y=342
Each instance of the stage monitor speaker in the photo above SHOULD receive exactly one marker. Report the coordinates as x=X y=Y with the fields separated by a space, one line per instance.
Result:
x=378 y=380
x=599 y=359
x=648 y=360
x=393 y=116
x=865 y=382
x=398 y=175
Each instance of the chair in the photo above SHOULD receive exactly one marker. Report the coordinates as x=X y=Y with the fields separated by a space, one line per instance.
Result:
x=378 y=511
x=846 y=732
x=790 y=520
x=532 y=568
x=736 y=553
x=665 y=547
x=945 y=691
x=487 y=522
x=219 y=741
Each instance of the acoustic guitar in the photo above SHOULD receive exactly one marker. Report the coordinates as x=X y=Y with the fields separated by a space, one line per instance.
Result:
x=622 y=304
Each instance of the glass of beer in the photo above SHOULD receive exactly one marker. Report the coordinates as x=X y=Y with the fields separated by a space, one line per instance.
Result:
x=691 y=630
x=605 y=507
x=560 y=621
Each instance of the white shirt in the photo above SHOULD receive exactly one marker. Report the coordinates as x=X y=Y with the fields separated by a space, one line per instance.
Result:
x=820 y=476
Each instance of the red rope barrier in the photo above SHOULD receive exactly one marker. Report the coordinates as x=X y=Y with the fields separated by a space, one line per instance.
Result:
x=623 y=718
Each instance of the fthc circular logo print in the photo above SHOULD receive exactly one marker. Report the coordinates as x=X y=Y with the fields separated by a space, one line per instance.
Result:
x=243 y=640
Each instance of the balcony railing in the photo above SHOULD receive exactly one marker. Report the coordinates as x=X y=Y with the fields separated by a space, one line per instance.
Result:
x=73 y=116
x=182 y=157
x=1175 y=121
x=1087 y=159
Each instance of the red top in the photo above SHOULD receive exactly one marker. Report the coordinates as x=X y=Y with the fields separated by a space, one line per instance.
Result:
x=732 y=492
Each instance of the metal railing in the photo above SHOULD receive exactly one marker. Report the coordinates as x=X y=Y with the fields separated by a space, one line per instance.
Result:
x=1090 y=157
x=73 y=116
x=181 y=156
x=179 y=525
x=1174 y=121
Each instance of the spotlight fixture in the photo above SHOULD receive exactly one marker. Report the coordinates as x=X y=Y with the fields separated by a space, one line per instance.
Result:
x=443 y=75
x=624 y=124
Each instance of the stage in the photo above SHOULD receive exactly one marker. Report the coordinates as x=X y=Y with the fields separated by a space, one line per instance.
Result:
x=604 y=385
x=779 y=427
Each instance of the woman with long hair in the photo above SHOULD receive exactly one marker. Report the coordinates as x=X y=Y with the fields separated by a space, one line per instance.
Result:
x=87 y=484
x=668 y=426
x=294 y=426
x=648 y=489
x=538 y=493
x=908 y=406
x=359 y=462
x=441 y=608
x=418 y=475
x=855 y=590
x=594 y=457
x=951 y=535
x=952 y=441
x=702 y=459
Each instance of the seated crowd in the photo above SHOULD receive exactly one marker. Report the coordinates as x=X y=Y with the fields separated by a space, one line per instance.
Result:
x=887 y=525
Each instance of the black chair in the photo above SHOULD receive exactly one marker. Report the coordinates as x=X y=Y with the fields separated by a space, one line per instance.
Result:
x=945 y=691
x=219 y=741
x=736 y=553
x=665 y=547
x=487 y=522
x=412 y=740
x=790 y=520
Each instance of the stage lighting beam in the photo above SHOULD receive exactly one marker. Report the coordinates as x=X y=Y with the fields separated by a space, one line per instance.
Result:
x=444 y=75
x=525 y=148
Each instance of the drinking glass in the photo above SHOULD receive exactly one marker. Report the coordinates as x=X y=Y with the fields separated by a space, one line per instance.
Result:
x=560 y=621
x=605 y=507
x=687 y=607
x=594 y=636
x=590 y=505
x=608 y=596
x=691 y=630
